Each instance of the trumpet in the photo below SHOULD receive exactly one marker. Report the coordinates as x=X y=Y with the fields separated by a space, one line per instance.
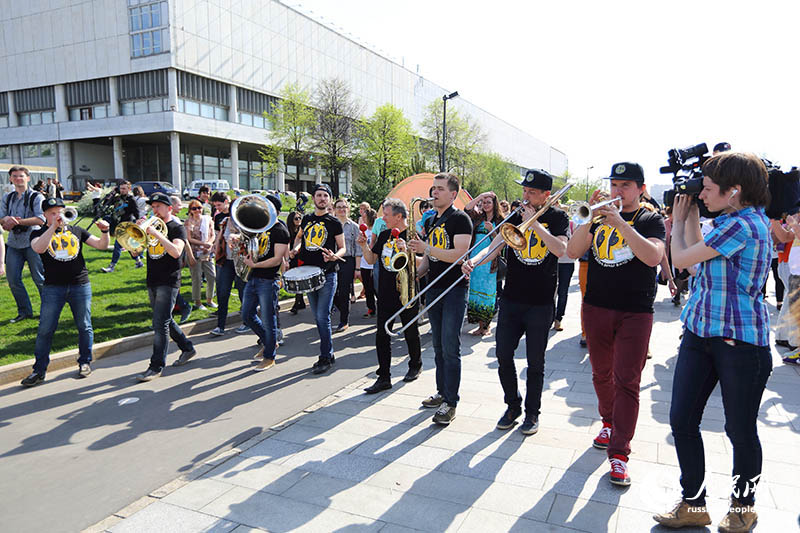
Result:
x=69 y=214
x=513 y=240
x=581 y=212
x=133 y=237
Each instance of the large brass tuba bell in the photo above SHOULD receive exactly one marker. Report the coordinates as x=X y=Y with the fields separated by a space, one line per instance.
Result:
x=253 y=215
x=133 y=237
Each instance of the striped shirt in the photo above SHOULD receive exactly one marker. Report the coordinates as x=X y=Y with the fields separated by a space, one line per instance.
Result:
x=726 y=300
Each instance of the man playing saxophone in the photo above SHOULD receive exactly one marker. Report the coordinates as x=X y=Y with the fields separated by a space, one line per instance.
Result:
x=388 y=245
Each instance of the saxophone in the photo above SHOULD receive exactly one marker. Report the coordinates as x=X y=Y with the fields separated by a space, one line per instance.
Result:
x=407 y=275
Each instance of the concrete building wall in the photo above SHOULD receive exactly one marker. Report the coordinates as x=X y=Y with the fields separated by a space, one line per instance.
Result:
x=94 y=160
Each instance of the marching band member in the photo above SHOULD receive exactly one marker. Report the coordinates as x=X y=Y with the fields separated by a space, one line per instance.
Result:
x=126 y=210
x=262 y=288
x=226 y=271
x=386 y=246
x=448 y=234
x=66 y=280
x=625 y=248
x=726 y=335
x=314 y=245
x=163 y=284
x=527 y=301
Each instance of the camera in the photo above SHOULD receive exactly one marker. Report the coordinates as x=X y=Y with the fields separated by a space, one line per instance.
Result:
x=686 y=167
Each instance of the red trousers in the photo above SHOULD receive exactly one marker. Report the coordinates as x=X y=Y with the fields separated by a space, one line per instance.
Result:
x=618 y=344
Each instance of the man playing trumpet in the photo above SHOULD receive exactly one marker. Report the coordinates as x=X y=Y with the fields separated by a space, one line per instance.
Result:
x=626 y=246
x=390 y=242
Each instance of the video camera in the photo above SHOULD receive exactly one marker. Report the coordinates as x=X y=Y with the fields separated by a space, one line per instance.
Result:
x=686 y=167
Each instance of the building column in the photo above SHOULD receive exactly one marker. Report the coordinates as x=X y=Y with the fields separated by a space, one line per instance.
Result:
x=233 y=107
x=119 y=165
x=281 y=173
x=172 y=89
x=13 y=119
x=113 y=97
x=348 y=185
x=175 y=159
x=318 y=177
x=62 y=113
x=235 y=164
x=16 y=154
x=65 y=164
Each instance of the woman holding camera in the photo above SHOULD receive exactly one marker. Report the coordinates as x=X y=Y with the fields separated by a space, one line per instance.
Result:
x=726 y=336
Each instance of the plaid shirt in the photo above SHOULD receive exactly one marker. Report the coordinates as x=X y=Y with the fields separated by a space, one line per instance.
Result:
x=726 y=300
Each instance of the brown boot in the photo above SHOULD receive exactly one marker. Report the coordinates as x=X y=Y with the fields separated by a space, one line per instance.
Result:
x=740 y=518
x=684 y=515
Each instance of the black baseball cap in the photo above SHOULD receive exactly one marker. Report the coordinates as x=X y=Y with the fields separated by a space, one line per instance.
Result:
x=722 y=147
x=49 y=203
x=276 y=201
x=160 y=197
x=536 y=178
x=627 y=171
x=322 y=187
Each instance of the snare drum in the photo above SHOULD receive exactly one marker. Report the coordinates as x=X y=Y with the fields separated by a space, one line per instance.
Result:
x=303 y=279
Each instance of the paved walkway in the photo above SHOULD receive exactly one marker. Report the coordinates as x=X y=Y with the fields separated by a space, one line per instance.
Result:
x=377 y=463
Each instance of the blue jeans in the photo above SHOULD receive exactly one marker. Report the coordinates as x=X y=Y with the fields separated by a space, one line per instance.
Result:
x=514 y=320
x=162 y=299
x=15 y=260
x=264 y=293
x=115 y=255
x=446 y=318
x=79 y=298
x=226 y=279
x=565 y=271
x=742 y=372
x=321 y=301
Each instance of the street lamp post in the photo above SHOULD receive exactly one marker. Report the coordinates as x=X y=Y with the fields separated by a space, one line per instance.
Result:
x=587 y=181
x=445 y=98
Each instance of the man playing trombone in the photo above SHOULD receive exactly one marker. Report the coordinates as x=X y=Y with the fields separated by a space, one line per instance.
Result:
x=448 y=235
x=626 y=246
x=527 y=300
x=389 y=243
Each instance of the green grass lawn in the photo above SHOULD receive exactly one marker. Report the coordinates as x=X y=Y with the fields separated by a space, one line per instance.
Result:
x=120 y=306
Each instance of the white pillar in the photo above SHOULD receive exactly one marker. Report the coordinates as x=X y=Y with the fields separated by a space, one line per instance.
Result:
x=13 y=119
x=113 y=97
x=233 y=107
x=318 y=172
x=175 y=159
x=16 y=154
x=235 y=164
x=65 y=164
x=172 y=90
x=348 y=186
x=119 y=167
x=62 y=114
x=281 y=173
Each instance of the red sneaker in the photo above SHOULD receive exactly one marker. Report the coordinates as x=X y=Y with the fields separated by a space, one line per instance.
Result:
x=602 y=440
x=619 y=471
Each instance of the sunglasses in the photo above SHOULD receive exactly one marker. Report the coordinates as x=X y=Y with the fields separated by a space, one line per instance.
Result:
x=195 y=208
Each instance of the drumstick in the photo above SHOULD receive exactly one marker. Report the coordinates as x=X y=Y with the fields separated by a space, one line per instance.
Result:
x=334 y=255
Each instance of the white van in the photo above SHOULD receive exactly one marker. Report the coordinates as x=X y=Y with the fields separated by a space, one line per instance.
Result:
x=214 y=185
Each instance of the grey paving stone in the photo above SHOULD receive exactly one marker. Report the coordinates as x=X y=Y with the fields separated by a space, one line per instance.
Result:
x=492 y=468
x=272 y=450
x=340 y=465
x=430 y=483
x=514 y=500
x=403 y=453
x=583 y=515
x=308 y=436
x=163 y=517
x=197 y=494
x=482 y=520
x=256 y=474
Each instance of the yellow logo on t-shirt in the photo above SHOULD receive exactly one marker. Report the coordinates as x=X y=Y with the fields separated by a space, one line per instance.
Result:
x=609 y=248
x=315 y=235
x=535 y=252
x=64 y=246
x=263 y=244
x=155 y=252
x=389 y=249
x=438 y=238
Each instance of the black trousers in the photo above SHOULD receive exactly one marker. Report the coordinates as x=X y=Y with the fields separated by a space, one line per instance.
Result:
x=383 y=343
x=369 y=289
x=347 y=271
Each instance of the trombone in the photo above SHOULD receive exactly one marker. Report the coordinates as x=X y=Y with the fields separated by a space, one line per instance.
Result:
x=513 y=241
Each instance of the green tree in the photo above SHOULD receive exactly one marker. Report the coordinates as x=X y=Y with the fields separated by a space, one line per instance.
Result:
x=464 y=138
x=335 y=131
x=292 y=119
x=490 y=172
x=387 y=142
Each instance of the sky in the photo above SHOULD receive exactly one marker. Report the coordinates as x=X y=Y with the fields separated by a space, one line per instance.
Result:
x=603 y=81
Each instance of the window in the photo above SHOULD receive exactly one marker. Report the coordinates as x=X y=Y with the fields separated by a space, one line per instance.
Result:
x=250 y=119
x=148 y=24
x=30 y=150
x=86 y=113
x=207 y=110
x=202 y=109
x=3 y=123
x=154 y=106
x=126 y=108
x=47 y=150
x=140 y=107
x=5 y=153
x=36 y=119
x=100 y=111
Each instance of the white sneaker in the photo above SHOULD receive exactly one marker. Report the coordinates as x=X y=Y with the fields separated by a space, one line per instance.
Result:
x=217 y=332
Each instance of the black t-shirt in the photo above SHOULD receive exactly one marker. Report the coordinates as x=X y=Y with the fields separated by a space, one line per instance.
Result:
x=162 y=268
x=218 y=218
x=441 y=235
x=533 y=271
x=617 y=279
x=385 y=247
x=63 y=259
x=319 y=232
x=278 y=234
